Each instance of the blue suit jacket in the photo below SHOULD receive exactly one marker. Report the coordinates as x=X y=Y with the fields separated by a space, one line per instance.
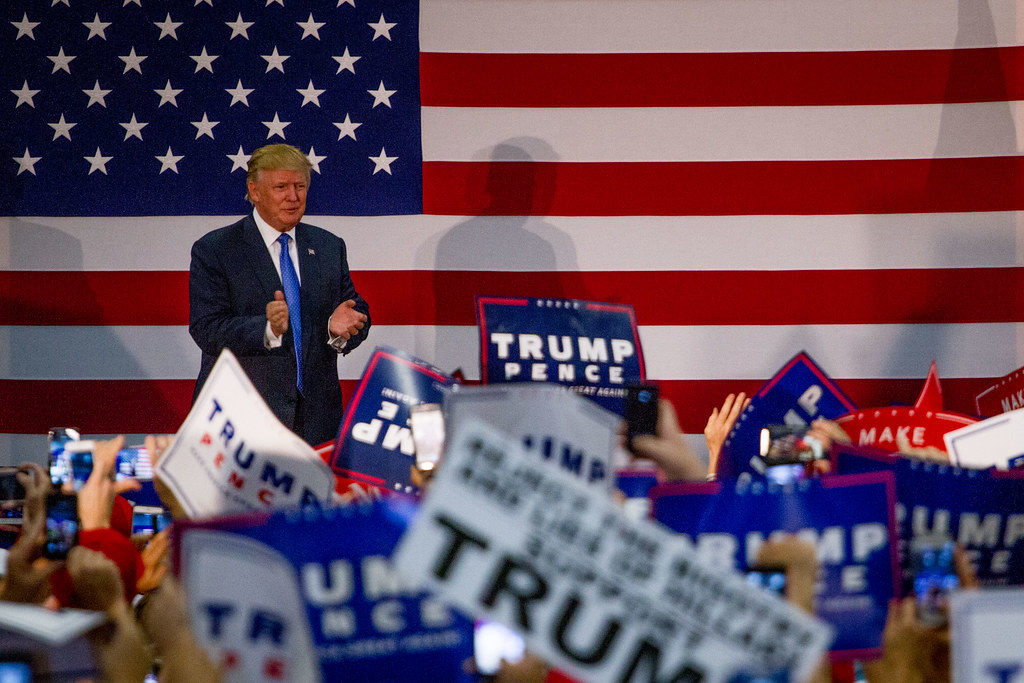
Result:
x=231 y=280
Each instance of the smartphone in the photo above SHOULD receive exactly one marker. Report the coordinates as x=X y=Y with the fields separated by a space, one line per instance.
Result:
x=641 y=410
x=769 y=578
x=149 y=519
x=74 y=464
x=492 y=643
x=58 y=438
x=10 y=487
x=15 y=671
x=931 y=561
x=788 y=445
x=427 y=423
x=61 y=525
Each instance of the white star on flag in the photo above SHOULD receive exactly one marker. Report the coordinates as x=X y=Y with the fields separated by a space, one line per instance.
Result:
x=382 y=162
x=169 y=161
x=347 y=128
x=239 y=27
x=310 y=27
x=168 y=94
x=346 y=62
x=275 y=60
x=381 y=28
x=126 y=2
x=276 y=127
x=200 y=2
x=271 y=2
x=204 y=60
x=167 y=27
x=61 y=61
x=62 y=129
x=346 y=2
x=310 y=94
x=204 y=127
x=132 y=61
x=57 y=2
x=98 y=162
x=25 y=26
x=96 y=95
x=27 y=162
x=381 y=96
x=239 y=160
x=133 y=128
x=96 y=27
x=314 y=160
x=239 y=94
x=25 y=95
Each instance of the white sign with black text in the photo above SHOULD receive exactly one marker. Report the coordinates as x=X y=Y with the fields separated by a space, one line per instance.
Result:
x=986 y=628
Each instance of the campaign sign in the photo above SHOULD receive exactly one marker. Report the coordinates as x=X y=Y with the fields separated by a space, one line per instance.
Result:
x=981 y=510
x=985 y=632
x=1005 y=395
x=374 y=444
x=592 y=347
x=849 y=519
x=796 y=395
x=550 y=422
x=511 y=538
x=311 y=595
x=995 y=442
x=233 y=456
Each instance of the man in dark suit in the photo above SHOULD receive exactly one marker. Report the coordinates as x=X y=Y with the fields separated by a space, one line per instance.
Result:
x=274 y=290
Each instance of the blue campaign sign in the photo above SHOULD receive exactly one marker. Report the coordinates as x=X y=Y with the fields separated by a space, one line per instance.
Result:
x=321 y=589
x=982 y=510
x=374 y=443
x=592 y=347
x=850 y=520
x=796 y=395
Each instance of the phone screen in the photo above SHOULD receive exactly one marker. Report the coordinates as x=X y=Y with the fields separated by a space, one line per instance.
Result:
x=934 y=579
x=10 y=487
x=61 y=525
x=146 y=519
x=641 y=410
x=74 y=464
x=427 y=423
x=786 y=445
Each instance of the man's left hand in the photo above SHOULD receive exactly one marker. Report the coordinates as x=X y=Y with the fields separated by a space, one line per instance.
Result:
x=346 y=321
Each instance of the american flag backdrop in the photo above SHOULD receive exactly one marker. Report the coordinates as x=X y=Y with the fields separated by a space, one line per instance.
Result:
x=755 y=177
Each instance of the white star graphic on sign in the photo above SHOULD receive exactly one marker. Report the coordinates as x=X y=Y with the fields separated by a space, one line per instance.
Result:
x=25 y=26
x=25 y=95
x=310 y=27
x=382 y=162
x=204 y=61
x=168 y=94
x=168 y=162
x=239 y=27
x=239 y=94
x=346 y=2
x=132 y=61
x=310 y=94
x=381 y=95
x=61 y=61
x=276 y=127
x=98 y=162
x=27 y=162
x=133 y=128
x=314 y=160
x=62 y=129
x=239 y=160
x=167 y=27
x=347 y=128
x=96 y=95
x=275 y=60
x=96 y=27
x=346 y=62
x=381 y=28
x=204 y=127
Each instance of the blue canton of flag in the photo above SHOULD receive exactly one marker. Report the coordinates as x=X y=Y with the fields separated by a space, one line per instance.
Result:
x=136 y=107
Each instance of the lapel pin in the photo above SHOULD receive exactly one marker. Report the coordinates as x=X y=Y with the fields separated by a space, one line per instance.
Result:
x=311 y=251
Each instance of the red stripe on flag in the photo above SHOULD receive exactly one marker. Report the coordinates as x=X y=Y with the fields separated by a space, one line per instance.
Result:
x=720 y=188
x=722 y=79
x=446 y=297
x=160 y=406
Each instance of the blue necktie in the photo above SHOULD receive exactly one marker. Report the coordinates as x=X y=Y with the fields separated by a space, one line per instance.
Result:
x=290 y=280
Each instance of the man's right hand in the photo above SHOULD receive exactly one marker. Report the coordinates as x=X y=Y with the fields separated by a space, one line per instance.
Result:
x=277 y=314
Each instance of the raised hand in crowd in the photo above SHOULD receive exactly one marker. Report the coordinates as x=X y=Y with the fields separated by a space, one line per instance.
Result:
x=96 y=498
x=720 y=424
x=930 y=453
x=119 y=646
x=155 y=562
x=28 y=572
x=667 y=449
x=827 y=432
x=163 y=615
x=156 y=446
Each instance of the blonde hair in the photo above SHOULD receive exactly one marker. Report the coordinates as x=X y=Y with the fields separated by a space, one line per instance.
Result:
x=279 y=157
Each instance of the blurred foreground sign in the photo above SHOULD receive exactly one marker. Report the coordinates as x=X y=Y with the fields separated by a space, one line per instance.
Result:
x=509 y=538
x=986 y=627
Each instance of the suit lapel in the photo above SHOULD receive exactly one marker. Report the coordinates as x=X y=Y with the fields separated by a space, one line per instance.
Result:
x=259 y=258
